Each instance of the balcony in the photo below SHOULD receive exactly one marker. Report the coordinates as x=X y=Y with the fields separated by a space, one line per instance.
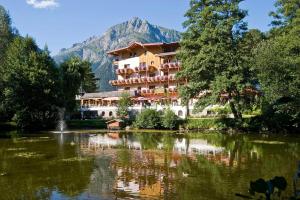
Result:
x=144 y=80
x=170 y=66
x=144 y=69
x=125 y=71
x=159 y=92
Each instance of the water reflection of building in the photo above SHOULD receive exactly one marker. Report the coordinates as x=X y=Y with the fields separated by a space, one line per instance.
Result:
x=150 y=172
x=197 y=146
x=181 y=147
x=110 y=140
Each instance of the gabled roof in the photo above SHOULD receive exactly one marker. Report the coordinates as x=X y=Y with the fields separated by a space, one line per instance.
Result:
x=143 y=45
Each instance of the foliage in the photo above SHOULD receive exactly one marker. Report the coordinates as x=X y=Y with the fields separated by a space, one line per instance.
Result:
x=285 y=13
x=214 y=51
x=201 y=123
x=148 y=119
x=123 y=105
x=222 y=123
x=6 y=35
x=169 y=119
x=30 y=78
x=221 y=110
x=6 y=32
x=277 y=62
x=75 y=74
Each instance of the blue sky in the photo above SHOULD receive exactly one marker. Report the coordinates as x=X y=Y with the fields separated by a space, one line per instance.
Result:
x=61 y=23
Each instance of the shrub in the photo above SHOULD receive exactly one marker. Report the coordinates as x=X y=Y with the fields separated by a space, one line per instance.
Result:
x=123 y=105
x=148 y=119
x=169 y=119
x=283 y=115
x=202 y=123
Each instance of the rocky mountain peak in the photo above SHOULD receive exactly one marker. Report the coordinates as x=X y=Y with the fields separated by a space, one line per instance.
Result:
x=94 y=48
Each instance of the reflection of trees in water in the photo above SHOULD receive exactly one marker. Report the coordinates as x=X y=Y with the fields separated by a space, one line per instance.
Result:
x=38 y=177
x=103 y=177
x=249 y=159
x=149 y=141
x=214 y=175
x=158 y=169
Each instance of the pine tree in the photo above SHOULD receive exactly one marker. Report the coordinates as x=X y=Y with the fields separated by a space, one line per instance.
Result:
x=211 y=54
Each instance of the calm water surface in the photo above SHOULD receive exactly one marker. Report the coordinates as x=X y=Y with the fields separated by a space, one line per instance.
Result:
x=141 y=165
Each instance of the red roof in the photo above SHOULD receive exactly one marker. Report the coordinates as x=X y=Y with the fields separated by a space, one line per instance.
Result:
x=138 y=44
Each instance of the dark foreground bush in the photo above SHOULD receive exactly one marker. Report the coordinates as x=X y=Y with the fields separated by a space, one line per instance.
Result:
x=282 y=116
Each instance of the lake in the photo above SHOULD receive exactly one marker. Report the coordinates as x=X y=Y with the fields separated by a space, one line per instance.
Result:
x=91 y=165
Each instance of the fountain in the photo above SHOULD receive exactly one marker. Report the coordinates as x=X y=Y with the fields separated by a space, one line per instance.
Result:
x=61 y=126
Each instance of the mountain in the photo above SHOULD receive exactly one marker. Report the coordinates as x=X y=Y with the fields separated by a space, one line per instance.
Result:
x=94 y=49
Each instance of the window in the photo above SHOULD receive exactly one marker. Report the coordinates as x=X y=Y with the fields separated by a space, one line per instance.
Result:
x=110 y=113
x=143 y=64
x=152 y=62
x=103 y=114
x=180 y=113
x=152 y=75
x=145 y=53
x=127 y=88
x=126 y=66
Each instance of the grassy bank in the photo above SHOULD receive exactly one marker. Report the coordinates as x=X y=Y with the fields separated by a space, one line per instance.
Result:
x=218 y=123
x=86 y=124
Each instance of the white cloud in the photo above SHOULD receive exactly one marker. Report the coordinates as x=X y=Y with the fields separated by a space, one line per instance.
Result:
x=43 y=3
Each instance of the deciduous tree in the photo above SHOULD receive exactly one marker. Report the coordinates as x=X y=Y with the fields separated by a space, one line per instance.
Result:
x=31 y=84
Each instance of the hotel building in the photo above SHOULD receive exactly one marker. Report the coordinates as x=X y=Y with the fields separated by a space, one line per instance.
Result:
x=145 y=71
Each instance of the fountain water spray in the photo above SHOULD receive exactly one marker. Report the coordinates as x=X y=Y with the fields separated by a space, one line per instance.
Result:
x=61 y=123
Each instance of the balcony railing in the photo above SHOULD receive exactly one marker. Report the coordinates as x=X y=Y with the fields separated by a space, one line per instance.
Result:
x=124 y=71
x=143 y=80
x=158 y=91
x=170 y=66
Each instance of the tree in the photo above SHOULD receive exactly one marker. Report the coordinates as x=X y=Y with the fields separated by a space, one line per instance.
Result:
x=6 y=32
x=6 y=35
x=211 y=55
x=148 y=119
x=285 y=13
x=123 y=105
x=277 y=62
x=31 y=84
x=75 y=74
x=169 y=119
x=88 y=80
